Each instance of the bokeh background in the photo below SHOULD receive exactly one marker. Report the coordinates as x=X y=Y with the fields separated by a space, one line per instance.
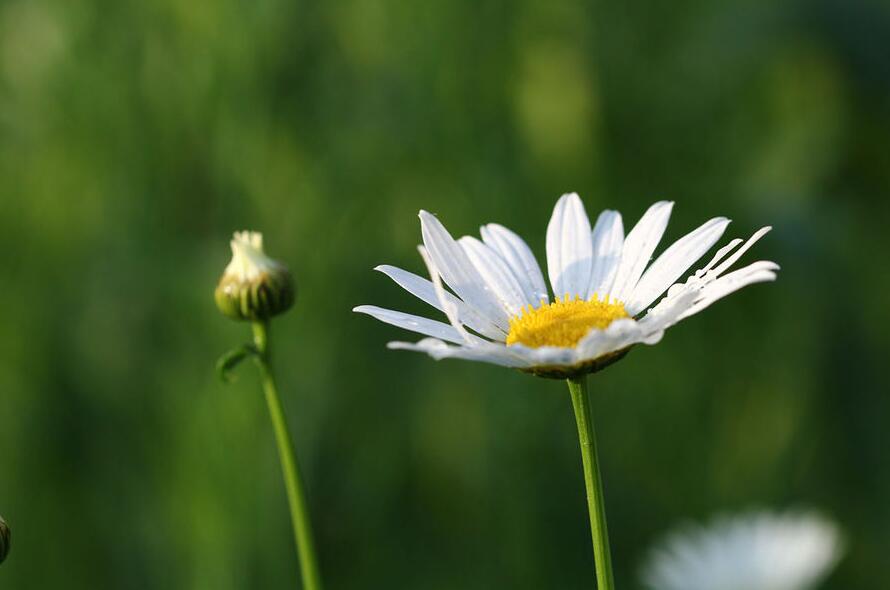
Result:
x=136 y=136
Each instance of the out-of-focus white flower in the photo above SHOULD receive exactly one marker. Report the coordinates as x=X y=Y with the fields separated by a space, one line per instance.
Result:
x=253 y=286
x=604 y=289
x=755 y=551
x=5 y=539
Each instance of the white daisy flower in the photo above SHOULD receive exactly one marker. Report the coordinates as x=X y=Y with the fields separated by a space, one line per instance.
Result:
x=499 y=310
x=758 y=551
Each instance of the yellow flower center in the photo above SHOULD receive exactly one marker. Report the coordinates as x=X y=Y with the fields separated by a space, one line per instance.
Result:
x=562 y=323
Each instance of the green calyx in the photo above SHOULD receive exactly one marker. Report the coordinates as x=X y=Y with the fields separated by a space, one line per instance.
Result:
x=580 y=370
x=268 y=295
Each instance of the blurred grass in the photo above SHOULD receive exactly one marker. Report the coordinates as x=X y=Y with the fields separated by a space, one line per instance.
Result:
x=135 y=137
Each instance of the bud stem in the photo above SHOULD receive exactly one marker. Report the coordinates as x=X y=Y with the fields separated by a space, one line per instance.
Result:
x=593 y=482
x=289 y=467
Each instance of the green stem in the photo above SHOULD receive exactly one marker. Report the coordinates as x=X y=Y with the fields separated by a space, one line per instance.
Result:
x=296 y=497
x=593 y=482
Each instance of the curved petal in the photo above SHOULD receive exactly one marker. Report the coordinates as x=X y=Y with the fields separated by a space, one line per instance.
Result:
x=496 y=354
x=673 y=262
x=448 y=306
x=738 y=253
x=757 y=272
x=721 y=253
x=496 y=274
x=414 y=323
x=426 y=292
x=638 y=248
x=616 y=336
x=519 y=257
x=706 y=285
x=569 y=248
x=546 y=356
x=608 y=240
x=458 y=272
x=669 y=310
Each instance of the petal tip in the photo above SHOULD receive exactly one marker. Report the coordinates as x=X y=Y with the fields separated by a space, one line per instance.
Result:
x=424 y=215
x=659 y=206
x=566 y=197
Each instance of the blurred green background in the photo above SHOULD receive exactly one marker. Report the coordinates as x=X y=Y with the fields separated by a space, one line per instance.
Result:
x=136 y=136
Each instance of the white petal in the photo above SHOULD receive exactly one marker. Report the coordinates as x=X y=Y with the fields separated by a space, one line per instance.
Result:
x=426 y=292
x=669 y=311
x=719 y=256
x=608 y=240
x=496 y=274
x=673 y=262
x=546 y=356
x=449 y=307
x=518 y=256
x=458 y=272
x=638 y=248
x=569 y=248
x=702 y=289
x=616 y=336
x=418 y=324
x=496 y=354
x=738 y=253
x=758 y=272
x=652 y=338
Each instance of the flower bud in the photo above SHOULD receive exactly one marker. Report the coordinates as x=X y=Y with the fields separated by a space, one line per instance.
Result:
x=253 y=286
x=5 y=539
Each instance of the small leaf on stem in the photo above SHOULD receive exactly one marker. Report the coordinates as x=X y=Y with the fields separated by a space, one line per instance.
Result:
x=227 y=362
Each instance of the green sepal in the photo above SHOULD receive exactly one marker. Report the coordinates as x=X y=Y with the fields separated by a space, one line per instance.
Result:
x=579 y=370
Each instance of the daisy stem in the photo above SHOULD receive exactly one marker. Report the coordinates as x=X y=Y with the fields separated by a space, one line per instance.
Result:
x=289 y=467
x=593 y=482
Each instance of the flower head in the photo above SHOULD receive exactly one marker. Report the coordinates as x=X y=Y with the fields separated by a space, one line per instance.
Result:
x=761 y=551
x=253 y=286
x=499 y=309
